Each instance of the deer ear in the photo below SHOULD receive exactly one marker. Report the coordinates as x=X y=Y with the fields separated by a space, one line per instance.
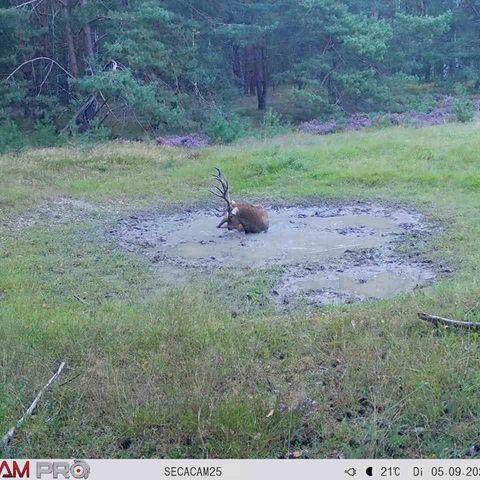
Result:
x=235 y=211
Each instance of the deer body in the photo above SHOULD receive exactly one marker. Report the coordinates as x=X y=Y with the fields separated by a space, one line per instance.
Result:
x=243 y=217
x=247 y=218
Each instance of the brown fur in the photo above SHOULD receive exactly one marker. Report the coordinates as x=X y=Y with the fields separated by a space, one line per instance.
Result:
x=247 y=218
x=243 y=217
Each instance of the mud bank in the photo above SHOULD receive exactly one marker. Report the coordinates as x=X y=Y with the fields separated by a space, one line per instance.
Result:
x=322 y=254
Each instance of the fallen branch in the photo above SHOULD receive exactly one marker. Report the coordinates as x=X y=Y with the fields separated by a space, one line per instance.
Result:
x=9 y=435
x=36 y=60
x=28 y=3
x=89 y=110
x=447 y=321
x=83 y=115
x=110 y=111
x=81 y=300
x=70 y=380
x=45 y=79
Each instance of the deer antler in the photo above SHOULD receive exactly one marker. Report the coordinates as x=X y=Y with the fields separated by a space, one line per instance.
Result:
x=222 y=190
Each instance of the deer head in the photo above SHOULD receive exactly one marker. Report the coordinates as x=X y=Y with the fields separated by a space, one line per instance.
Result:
x=243 y=217
x=230 y=211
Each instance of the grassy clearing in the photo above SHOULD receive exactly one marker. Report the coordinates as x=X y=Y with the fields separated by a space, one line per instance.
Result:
x=182 y=373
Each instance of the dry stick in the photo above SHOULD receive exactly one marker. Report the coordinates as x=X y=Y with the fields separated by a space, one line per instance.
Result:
x=9 y=435
x=27 y=3
x=70 y=379
x=35 y=60
x=45 y=79
x=447 y=321
x=80 y=299
x=110 y=111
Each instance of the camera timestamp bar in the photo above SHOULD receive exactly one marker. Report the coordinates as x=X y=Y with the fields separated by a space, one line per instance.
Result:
x=60 y=469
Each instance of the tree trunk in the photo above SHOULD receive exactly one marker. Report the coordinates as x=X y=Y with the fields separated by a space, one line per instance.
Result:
x=251 y=70
x=330 y=84
x=245 y=71
x=72 y=53
x=427 y=73
x=261 y=76
x=237 y=65
x=422 y=7
x=87 y=32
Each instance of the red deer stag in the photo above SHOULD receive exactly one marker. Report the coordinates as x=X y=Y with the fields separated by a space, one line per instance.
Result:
x=243 y=217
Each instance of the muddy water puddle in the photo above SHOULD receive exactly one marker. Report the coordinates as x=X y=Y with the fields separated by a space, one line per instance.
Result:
x=325 y=254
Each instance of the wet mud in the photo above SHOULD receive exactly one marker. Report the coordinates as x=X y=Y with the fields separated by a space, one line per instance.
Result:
x=321 y=254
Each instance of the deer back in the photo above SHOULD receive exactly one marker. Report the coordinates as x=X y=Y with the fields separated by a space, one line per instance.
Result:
x=253 y=218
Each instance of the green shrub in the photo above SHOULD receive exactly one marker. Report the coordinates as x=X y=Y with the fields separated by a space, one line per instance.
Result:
x=381 y=121
x=11 y=138
x=405 y=93
x=95 y=134
x=459 y=90
x=463 y=109
x=312 y=102
x=272 y=124
x=46 y=135
x=463 y=106
x=223 y=128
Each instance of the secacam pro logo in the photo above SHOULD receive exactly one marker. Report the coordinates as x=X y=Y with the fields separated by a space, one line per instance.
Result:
x=77 y=470
x=14 y=469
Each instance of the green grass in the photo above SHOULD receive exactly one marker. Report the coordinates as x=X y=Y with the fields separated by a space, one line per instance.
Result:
x=159 y=372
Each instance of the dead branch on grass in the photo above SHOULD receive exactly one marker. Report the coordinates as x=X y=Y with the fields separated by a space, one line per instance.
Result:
x=9 y=435
x=436 y=320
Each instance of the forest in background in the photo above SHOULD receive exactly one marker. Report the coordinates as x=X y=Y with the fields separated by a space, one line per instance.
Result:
x=158 y=66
